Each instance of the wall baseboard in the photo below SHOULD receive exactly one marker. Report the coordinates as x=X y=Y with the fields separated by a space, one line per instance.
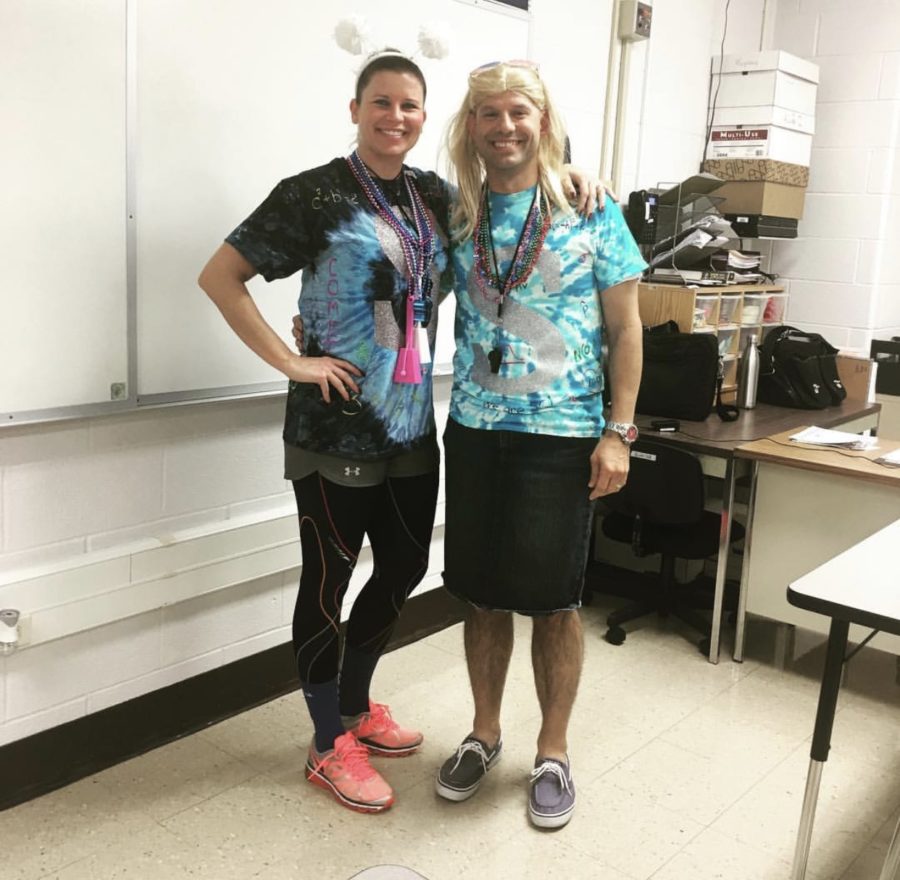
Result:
x=53 y=758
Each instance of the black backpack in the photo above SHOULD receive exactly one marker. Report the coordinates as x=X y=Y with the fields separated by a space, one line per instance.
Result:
x=798 y=369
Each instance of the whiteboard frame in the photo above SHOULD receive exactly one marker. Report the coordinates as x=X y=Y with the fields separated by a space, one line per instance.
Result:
x=133 y=401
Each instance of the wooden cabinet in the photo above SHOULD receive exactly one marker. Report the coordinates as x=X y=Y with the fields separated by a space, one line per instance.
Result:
x=732 y=313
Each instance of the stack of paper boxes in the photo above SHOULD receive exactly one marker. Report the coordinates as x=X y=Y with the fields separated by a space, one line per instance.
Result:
x=763 y=107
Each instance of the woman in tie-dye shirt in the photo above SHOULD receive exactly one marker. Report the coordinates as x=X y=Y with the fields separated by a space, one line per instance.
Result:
x=369 y=235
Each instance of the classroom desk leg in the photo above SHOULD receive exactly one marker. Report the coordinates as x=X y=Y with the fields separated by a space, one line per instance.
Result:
x=821 y=742
x=722 y=561
x=892 y=861
x=741 y=622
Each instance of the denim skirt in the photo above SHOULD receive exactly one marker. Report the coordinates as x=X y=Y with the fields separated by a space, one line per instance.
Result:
x=518 y=519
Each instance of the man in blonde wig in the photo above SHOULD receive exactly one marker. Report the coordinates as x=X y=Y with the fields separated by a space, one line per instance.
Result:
x=539 y=291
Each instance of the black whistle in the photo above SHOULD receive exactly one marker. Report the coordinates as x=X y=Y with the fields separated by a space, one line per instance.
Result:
x=495 y=358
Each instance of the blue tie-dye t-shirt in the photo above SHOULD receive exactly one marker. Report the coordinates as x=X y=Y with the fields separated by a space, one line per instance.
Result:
x=550 y=380
x=352 y=301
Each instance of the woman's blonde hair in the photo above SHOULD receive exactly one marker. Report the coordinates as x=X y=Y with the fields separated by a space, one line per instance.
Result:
x=468 y=167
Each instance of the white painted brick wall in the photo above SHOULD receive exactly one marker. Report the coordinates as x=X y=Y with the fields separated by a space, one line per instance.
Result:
x=887 y=315
x=836 y=170
x=104 y=698
x=849 y=77
x=884 y=172
x=816 y=259
x=890 y=77
x=842 y=269
x=68 y=669
x=853 y=124
x=215 y=621
x=879 y=262
x=795 y=29
x=855 y=28
x=745 y=20
x=78 y=494
x=842 y=216
x=18 y=728
x=845 y=305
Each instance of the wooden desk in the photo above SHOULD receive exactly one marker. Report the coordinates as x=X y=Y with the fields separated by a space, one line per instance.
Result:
x=807 y=504
x=715 y=442
x=862 y=586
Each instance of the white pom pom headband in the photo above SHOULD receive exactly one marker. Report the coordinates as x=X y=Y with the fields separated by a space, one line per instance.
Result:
x=353 y=35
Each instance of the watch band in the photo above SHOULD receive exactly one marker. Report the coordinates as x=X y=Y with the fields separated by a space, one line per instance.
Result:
x=626 y=431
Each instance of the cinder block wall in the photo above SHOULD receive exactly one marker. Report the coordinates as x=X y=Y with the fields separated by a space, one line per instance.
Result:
x=843 y=272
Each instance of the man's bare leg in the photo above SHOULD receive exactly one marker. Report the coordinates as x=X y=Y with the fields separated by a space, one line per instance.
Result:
x=489 y=642
x=557 y=655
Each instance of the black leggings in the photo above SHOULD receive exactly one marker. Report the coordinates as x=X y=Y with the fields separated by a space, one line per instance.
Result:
x=398 y=517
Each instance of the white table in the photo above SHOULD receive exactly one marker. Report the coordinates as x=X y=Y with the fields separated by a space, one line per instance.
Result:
x=861 y=585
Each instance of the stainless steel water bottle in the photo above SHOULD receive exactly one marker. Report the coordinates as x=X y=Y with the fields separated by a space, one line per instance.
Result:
x=748 y=374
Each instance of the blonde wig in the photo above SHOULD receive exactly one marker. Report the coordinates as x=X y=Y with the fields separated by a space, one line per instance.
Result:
x=484 y=83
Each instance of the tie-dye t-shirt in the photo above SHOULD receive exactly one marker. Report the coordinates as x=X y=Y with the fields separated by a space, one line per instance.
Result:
x=550 y=380
x=352 y=301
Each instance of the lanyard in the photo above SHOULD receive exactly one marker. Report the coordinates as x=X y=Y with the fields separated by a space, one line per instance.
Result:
x=418 y=247
x=505 y=285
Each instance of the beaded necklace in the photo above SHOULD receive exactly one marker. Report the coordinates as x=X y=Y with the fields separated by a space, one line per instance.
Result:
x=528 y=249
x=419 y=246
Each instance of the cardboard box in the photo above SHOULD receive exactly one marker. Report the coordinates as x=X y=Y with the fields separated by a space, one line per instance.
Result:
x=756 y=88
x=758 y=169
x=752 y=117
x=761 y=197
x=755 y=62
x=760 y=142
x=758 y=78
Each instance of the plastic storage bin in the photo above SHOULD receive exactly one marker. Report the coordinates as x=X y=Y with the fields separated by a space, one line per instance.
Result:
x=706 y=312
x=728 y=341
x=754 y=305
x=729 y=309
x=773 y=312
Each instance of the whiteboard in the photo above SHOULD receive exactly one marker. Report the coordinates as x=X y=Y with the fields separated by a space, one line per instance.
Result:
x=137 y=135
x=229 y=104
x=63 y=333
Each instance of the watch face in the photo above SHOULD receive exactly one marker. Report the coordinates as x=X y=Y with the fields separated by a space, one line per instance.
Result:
x=631 y=433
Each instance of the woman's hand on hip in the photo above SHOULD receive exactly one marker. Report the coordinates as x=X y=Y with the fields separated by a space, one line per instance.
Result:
x=327 y=373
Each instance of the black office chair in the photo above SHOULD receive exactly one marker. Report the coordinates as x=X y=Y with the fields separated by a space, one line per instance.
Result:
x=661 y=510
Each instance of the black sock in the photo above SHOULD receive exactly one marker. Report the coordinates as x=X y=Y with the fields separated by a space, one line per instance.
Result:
x=357 y=669
x=322 y=703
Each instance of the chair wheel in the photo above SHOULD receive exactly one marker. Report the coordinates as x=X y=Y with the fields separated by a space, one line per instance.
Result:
x=703 y=646
x=615 y=635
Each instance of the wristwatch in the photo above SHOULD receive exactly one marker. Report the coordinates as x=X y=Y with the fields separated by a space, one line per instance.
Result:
x=627 y=432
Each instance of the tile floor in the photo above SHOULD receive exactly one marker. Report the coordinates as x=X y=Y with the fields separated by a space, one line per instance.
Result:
x=684 y=771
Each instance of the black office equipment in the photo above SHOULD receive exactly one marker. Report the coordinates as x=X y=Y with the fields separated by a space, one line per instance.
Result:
x=661 y=510
x=641 y=215
x=886 y=353
x=762 y=226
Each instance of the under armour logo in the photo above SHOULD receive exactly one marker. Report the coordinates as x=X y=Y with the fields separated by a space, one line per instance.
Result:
x=351 y=472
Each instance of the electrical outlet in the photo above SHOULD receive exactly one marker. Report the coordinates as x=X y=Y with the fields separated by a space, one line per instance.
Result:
x=635 y=17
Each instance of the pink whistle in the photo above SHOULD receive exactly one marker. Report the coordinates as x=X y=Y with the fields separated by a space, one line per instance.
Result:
x=408 y=368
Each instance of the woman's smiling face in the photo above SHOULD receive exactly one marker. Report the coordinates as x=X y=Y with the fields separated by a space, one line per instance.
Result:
x=389 y=118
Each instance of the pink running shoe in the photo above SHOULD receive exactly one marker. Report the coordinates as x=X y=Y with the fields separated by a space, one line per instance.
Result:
x=381 y=735
x=345 y=771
